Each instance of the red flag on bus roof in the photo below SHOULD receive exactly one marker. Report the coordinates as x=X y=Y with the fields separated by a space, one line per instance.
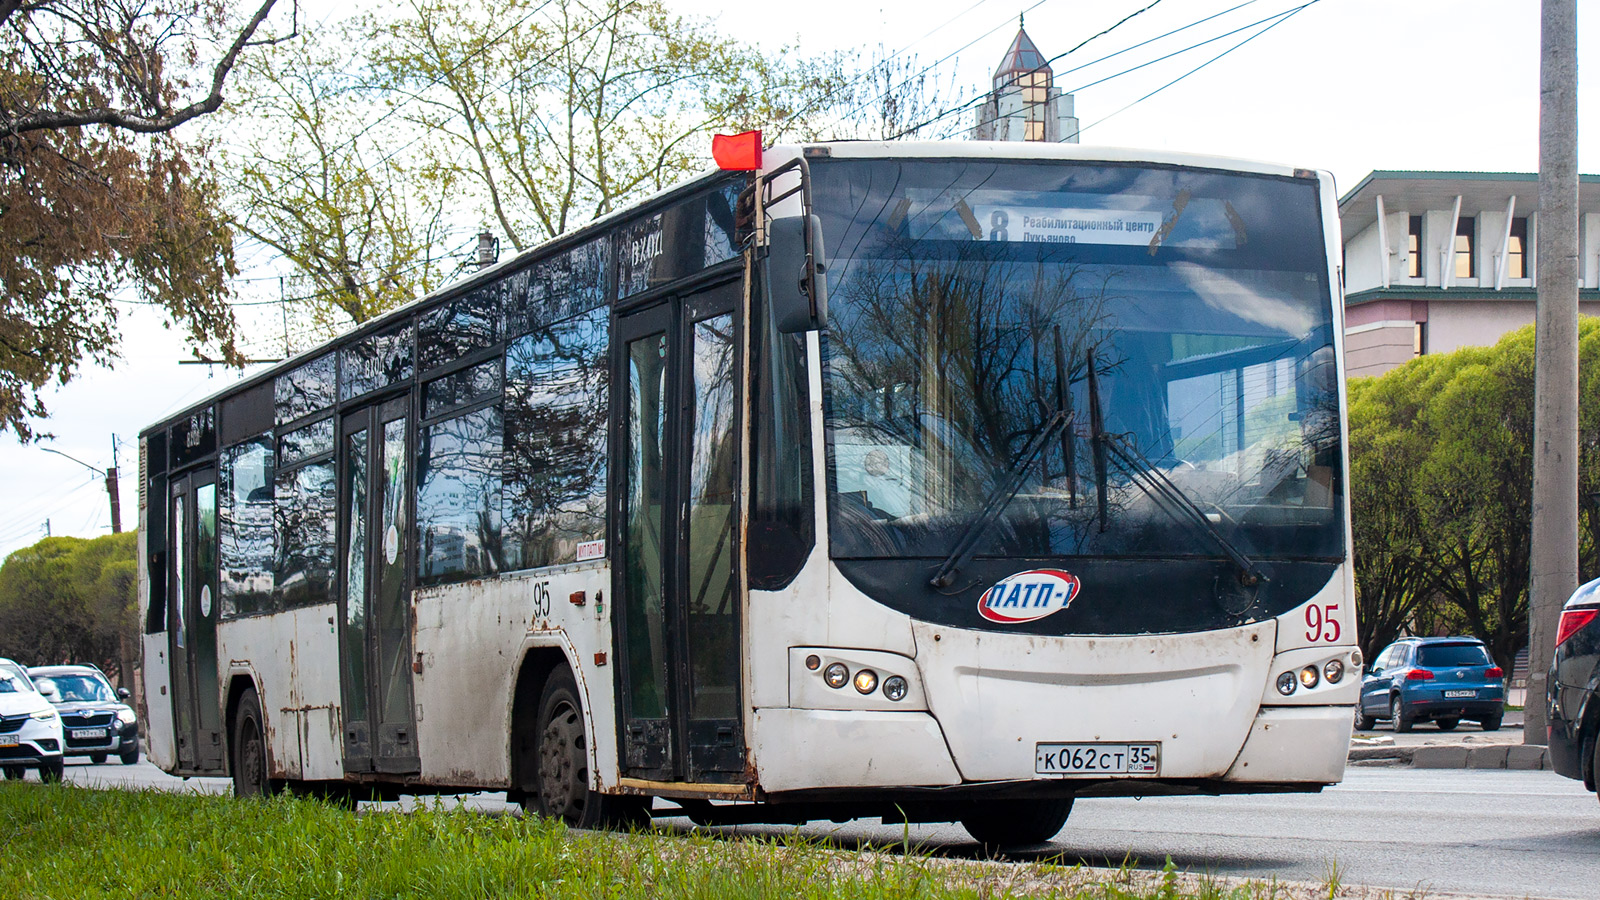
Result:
x=737 y=152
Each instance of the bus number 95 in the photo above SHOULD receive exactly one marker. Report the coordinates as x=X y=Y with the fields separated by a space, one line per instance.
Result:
x=1321 y=623
x=541 y=599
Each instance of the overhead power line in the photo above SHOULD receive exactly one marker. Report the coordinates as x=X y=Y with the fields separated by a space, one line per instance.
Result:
x=1283 y=17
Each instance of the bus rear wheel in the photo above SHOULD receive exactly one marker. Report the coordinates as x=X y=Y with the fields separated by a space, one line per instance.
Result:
x=561 y=778
x=1002 y=824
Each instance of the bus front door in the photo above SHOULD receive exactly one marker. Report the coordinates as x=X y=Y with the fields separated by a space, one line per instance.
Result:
x=380 y=733
x=192 y=586
x=675 y=525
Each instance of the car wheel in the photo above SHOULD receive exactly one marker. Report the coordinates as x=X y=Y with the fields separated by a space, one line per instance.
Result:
x=1364 y=722
x=131 y=757
x=1492 y=723
x=1016 y=823
x=14 y=773
x=249 y=749
x=562 y=754
x=97 y=758
x=52 y=772
x=1397 y=715
x=1447 y=724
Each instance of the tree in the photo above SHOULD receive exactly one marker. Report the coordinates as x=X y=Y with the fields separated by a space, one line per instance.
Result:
x=1441 y=487
x=97 y=195
x=70 y=600
x=573 y=109
x=1389 y=571
x=321 y=177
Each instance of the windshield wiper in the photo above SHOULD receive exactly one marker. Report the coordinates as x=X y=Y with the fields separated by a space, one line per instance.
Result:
x=998 y=500
x=1155 y=483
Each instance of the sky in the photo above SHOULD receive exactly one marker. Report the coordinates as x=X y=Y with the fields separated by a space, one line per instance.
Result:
x=1344 y=85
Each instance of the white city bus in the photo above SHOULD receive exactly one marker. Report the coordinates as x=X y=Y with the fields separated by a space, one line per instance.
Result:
x=936 y=482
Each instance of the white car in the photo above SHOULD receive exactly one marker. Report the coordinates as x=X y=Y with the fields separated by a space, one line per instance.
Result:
x=31 y=735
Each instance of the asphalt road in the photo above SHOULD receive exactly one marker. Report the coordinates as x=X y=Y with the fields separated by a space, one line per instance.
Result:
x=1521 y=834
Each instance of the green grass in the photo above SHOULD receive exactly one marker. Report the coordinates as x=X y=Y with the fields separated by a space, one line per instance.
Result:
x=66 y=843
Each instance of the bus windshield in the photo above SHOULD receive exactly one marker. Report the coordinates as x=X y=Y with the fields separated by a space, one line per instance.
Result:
x=967 y=301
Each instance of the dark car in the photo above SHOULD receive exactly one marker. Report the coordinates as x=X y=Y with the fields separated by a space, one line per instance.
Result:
x=1443 y=680
x=1574 y=715
x=98 y=723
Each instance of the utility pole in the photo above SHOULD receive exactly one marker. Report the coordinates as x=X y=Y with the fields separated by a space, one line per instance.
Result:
x=112 y=492
x=110 y=476
x=1554 y=573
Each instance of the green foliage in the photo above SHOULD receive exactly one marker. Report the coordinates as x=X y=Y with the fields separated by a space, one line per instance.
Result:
x=67 y=842
x=70 y=600
x=369 y=151
x=1441 y=489
x=99 y=200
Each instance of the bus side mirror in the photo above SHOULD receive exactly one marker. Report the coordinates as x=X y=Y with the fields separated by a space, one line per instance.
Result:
x=797 y=287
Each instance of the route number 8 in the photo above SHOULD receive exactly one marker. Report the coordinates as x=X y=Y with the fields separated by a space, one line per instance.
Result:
x=1321 y=624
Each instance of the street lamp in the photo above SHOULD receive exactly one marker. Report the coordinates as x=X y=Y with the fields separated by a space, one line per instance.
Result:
x=111 y=486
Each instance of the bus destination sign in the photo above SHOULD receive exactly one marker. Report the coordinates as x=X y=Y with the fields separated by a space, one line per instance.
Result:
x=1037 y=224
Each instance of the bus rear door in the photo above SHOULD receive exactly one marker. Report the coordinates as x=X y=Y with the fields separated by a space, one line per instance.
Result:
x=192 y=629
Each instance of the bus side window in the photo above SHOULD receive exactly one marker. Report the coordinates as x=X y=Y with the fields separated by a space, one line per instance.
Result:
x=782 y=521
x=555 y=441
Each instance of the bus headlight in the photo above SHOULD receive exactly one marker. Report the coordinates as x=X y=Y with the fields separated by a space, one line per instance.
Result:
x=1333 y=670
x=1287 y=683
x=1309 y=677
x=866 y=681
x=835 y=675
x=895 y=687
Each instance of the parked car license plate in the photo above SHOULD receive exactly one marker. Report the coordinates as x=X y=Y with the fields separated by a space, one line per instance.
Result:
x=1458 y=695
x=82 y=733
x=1097 y=759
x=9 y=740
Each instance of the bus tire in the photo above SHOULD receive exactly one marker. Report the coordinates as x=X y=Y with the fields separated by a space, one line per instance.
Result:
x=1001 y=824
x=249 y=748
x=562 y=776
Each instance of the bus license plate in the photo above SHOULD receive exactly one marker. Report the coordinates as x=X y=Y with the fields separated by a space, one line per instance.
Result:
x=1097 y=759
x=1458 y=695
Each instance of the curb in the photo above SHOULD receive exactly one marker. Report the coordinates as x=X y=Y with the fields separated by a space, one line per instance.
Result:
x=1454 y=756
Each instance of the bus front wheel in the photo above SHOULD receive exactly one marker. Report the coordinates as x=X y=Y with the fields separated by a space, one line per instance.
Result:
x=562 y=758
x=1001 y=824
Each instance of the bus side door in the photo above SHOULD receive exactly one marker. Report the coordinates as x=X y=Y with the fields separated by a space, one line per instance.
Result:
x=192 y=629
x=375 y=602
x=675 y=522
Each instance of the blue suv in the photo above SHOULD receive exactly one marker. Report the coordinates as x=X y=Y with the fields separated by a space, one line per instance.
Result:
x=1443 y=680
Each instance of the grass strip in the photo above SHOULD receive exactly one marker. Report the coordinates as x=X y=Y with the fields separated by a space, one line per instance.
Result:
x=67 y=843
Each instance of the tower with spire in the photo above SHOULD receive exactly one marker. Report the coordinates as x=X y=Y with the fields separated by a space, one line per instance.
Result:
x=1024 y=103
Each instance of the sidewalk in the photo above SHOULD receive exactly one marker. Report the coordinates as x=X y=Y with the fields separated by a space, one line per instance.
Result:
x=1467 y=747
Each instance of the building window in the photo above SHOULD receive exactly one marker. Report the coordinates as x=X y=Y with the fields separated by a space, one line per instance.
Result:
x=1466 y=260
x=1035 y=97
x=1517 y=249
x=1419 y=339
x=1414 y=248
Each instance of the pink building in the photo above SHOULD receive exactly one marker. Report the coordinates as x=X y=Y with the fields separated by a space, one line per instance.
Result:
x=1439 y=260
